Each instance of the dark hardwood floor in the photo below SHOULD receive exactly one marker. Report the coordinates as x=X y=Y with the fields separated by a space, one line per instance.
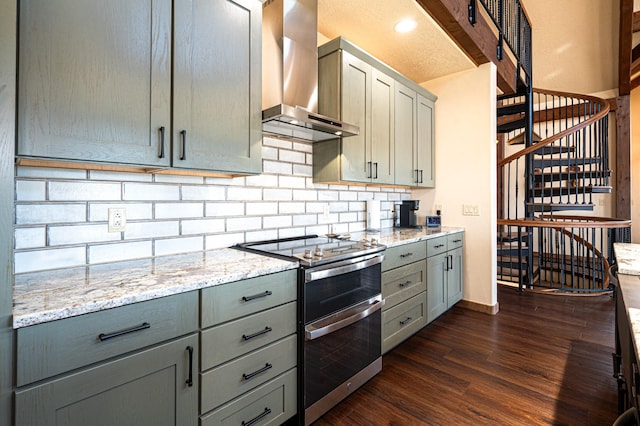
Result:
x=542 y=360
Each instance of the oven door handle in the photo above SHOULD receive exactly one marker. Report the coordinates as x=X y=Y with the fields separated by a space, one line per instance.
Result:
x=344 y=267
x=343 y=319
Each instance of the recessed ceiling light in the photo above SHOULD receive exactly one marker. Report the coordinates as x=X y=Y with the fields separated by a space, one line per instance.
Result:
x=406 y=25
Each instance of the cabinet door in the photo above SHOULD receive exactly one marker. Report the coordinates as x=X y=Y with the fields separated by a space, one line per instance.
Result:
x=405 y=134
x=94 y=80
x=356 y=105
x=146 y=388
x=436 y=286
x=455 y=279
x=218 y=85
x=424 y=150
x=382 y=137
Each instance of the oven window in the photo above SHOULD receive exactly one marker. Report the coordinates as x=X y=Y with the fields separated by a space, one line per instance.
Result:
x=334 y=358
x=329 y=295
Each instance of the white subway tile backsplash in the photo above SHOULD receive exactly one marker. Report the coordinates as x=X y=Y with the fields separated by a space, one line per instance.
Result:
x=169 y=214
x=99 y=212
x=205 y=193
x=80 y=191
x=202 y=226
x=224 y=209
x=244 y=224
x=151 y=191
x=137 y=230
x=31 y=190
x=179 y=210
x=30 y=237
x=116 y=252
x=31 y=214
x=38 y=260
x=244 y=194
x=77 y=234
x=50 y=173
x=178 y=245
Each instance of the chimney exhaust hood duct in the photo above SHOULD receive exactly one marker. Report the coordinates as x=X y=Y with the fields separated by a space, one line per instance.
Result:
x=290 y=74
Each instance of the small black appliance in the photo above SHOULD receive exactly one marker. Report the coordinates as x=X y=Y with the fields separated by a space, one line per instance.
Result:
x=408 y=216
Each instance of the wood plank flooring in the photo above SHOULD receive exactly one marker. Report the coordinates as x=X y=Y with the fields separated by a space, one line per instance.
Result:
x=542 y=360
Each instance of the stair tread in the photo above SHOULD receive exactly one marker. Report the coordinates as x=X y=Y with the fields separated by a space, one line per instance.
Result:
x=557 y=176
x=511 y=125
x=578 y=190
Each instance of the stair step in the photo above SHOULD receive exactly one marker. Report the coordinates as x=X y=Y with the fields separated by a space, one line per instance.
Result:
x=519 y=139
x=550 y=150
x=558 y=176
x=511 y=125
x=558 y=191
x=511 y=251
x=506 y=236
x=511 y=272
x=556 y=207
x=559 y=162
x=511 y=109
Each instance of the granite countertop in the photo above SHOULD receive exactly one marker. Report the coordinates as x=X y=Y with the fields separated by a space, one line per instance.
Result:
x=39 y=297
x=46 y=296
x=628 y=258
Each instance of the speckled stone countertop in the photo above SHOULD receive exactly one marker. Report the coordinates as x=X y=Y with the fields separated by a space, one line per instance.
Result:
x=628 y=259
x=396 y=236
x=46 y=296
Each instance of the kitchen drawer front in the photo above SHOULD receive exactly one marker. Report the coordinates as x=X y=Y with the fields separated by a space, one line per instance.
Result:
x=403 y=320
x=403 y=255
x=228 y=381
x=232 y=339
x=403 y=283
x=274 y=403
x=241 y=298
x=436 y=245
x=455 y=240
x=51 y=348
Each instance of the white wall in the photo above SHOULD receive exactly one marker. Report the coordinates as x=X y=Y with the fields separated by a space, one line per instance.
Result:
x=465 y=127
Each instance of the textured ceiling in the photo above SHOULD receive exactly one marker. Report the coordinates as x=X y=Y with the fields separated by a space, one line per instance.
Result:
x=422 y=55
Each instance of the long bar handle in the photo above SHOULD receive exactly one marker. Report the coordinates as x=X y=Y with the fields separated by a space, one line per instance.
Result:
x=107 y=336
x=161 y=155
x=247 y=376
x=256 y=296
x=246 y=337
x=344 y=319
x=183 y=152
x=257 y=418
x=190 y=378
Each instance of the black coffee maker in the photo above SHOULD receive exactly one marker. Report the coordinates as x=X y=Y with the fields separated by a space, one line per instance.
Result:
x=408 y=216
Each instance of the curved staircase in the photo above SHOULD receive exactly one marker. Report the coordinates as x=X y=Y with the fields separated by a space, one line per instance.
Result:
x=556 y=159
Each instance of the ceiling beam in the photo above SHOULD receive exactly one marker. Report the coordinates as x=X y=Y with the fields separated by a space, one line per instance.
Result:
x=477 y=41
x=625 y=47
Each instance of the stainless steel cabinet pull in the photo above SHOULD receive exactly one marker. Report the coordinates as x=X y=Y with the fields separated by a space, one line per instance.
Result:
x=256 y=296
x=183 y=152
x=405 y=284
x=161 y=155
x=266 y=367
x=406 y=255
x=189 y=381
x=256 y=334
x=107 y=336
x=257 y=418
x=405 y=321
x=344 y=318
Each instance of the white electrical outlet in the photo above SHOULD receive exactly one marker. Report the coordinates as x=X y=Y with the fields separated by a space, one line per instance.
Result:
x=117 y=219
x=325 y=212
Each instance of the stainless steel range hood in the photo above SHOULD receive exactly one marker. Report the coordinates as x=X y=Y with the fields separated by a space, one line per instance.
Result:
x=290 y=74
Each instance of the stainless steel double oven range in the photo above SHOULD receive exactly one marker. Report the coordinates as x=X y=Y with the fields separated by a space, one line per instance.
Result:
x=339 y=316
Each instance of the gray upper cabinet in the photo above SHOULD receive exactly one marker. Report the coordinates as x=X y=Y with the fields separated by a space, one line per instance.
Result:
x=95 y=83
x=357 y=93
x=217 y=85
x=94 y=80
x=425 y=142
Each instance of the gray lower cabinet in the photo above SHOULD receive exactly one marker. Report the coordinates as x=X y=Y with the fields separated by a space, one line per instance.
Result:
x=249 y=351
x=132 y=365
x=152 y=84
x=445 y=279
x=404 y=289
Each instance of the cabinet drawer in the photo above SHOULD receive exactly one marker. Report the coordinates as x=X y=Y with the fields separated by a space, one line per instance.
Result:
x=241 y=375
x=52 y=348
x=403 y=283
x=403 y=255
x=241 y=298
x=235 y=338
x=273 y=403
x=436 y=245
x=455 y=240
x=403 y=320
